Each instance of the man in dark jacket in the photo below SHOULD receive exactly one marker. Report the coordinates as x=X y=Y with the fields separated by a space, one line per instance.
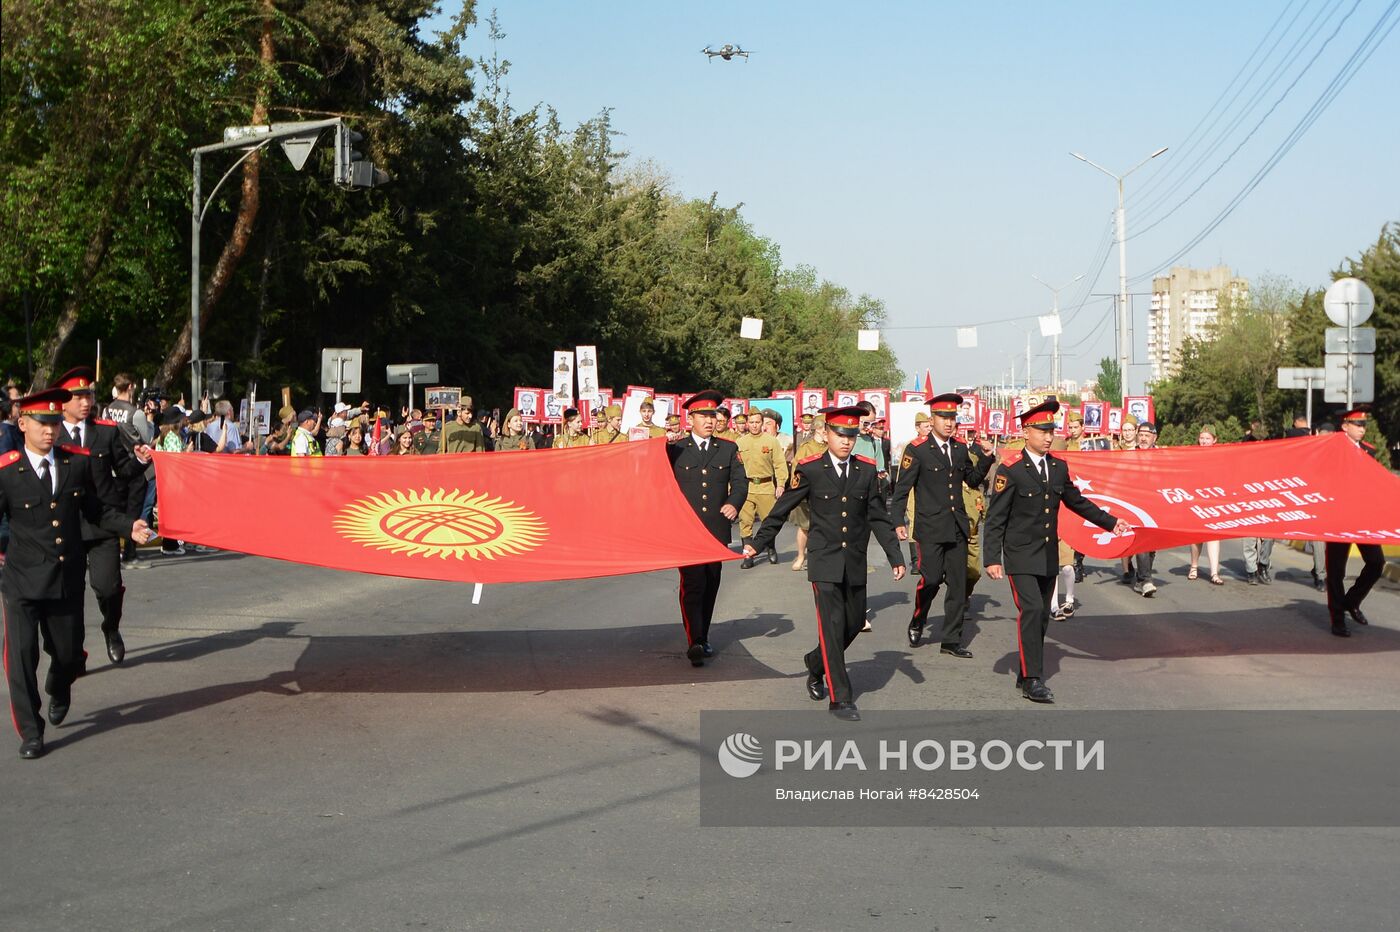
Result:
x=846 y=506
x=711 y=476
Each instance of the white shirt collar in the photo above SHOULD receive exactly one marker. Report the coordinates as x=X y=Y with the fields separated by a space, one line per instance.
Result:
x=700 y=441
x=35 y=459
x=1036 y=458
x=836 y=462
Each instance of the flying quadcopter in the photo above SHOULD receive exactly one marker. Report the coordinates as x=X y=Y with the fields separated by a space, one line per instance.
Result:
x=726 y=51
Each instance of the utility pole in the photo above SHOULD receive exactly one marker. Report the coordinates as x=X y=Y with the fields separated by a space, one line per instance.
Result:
x=1124 y=347
x=1055 y=359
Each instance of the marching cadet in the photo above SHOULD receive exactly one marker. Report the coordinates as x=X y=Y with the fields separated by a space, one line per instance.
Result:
x=846 y=506
x=711 y=477
x=110 y=459
x=1372 y=557
x=1022 y=534
x=938 y=468
x=648 y=409
x=572 y=435
x=48 y=492
x=768 y=473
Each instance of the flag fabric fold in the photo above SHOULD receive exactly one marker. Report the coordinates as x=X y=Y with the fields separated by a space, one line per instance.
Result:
x=1309 y=488
x=525 y=516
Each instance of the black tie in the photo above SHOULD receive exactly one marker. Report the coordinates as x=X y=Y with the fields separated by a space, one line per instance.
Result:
x=703 y=447
x=78 y=434
x=46 y=478
x=1043 y=477
x=947 y=453
x=841 y=473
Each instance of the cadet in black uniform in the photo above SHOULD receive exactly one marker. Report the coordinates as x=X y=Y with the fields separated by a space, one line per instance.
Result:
x=1023 y=536
x=711 y=476
x=1372 y=557
x=936 y=468
x=110 y=460
x=844 y=494
x=48 y=491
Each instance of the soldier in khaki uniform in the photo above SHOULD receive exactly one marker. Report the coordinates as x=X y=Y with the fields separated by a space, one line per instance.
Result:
x=801 y=517
x=611 y=430
x=648 y=412
x=572 y=435
x=767 y=470
x=723 y=428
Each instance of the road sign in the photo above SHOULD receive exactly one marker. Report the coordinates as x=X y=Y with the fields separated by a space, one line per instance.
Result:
x=340 y=370
x=1363 y=339
x=1348 y=297
x=1300 y=378
x=1363 y=378
x=410 y=373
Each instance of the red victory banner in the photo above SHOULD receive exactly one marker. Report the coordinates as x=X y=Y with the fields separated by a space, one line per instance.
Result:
x=524 y=516
x=1310 y=488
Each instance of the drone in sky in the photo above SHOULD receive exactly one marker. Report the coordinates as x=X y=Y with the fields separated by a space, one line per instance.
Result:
x=726 y=51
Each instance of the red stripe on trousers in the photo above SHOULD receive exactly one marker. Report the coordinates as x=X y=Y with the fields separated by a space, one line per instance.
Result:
x=1020 y=649
x=821 y=642
x=5 y=650
x=685 y=620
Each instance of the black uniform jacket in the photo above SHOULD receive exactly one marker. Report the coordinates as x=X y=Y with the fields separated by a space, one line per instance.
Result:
x=711 y=480
x=46 y=559
x=110 y=460
x=842 y=518
x=1023 y=528
x=939 y=514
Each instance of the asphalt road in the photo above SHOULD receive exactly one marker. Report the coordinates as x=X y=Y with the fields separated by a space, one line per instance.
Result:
x=290 y=747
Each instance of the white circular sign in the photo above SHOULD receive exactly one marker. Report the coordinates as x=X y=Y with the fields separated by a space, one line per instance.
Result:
x=1349 y=295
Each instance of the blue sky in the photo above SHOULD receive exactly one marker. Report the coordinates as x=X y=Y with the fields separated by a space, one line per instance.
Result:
x=919 y=152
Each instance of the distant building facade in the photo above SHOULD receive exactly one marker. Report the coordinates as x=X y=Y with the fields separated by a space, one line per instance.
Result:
x=1186 y=303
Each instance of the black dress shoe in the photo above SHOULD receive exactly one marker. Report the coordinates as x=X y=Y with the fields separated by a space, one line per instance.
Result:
x=696 y=655
x=705 y=646
x=956 y=651
x=845 y=711
x=747 y=564
x=1264 y=576
x=116 y=647
x=915 y=632
x=1036 y=691
x=1357 y=617
x=1339 y=628
x=1253 y=578
x=816 y=687
x=1319 y=583
x=58 y=711
x=32 y=748
x=772 y=556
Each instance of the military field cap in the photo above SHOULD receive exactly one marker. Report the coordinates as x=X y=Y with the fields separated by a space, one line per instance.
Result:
x=706 y=402
x=819 y=422
x=287 y=411
x=773 y=416
x=945 y=404
x=1075 y=416
x=1357 y=415
x=921 y=416
x=673 y=420
x=76 y=380
x=46 y=407
x=648 y=402
x=1130 y=420
x=610 y=411
x=844 y=421
x=1042 y=416
x=807 y=416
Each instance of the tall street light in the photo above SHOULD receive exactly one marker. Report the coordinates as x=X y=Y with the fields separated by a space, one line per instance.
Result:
x=1124 y=350
x=1055 y=359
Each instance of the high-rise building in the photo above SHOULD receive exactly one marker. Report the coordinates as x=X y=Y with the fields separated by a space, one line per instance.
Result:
x=1186 y=303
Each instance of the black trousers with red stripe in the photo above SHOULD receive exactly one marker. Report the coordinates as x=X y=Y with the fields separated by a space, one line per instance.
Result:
x=699 y=589
x=840 y=616
x=946 y=564
x=1339 y=597
x=60 y=621
x=1031 y=593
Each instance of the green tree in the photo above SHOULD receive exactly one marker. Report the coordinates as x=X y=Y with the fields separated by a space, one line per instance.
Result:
x=1109 y=381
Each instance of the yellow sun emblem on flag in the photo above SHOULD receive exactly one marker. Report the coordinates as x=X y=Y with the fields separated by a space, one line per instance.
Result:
x=442 y=524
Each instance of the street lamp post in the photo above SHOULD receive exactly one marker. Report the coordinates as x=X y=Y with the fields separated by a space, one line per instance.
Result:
x=1055 y=359
x=1124 y=350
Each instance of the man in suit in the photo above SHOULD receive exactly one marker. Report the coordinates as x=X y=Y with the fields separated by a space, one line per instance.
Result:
x=846 y=506
x=936 y=468
x=48 y=492
x=711 y=476
x=1342 y=603
x=111 y=461
x=1021 y=539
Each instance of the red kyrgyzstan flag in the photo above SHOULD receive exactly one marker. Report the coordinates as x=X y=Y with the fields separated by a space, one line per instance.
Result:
x=1309 y=488
x=523 y=516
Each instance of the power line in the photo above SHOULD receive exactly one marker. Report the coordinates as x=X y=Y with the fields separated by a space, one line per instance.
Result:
x=1354 y=63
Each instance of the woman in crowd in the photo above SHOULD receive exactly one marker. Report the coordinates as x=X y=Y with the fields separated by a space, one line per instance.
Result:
x=513 y=435
x=355 y=438
x=403 y=442
x=1206 y=438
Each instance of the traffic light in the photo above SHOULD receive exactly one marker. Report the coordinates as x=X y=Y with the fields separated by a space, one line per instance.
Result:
x=352 y=169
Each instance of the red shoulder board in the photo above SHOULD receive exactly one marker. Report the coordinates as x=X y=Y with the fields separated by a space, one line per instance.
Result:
x=917 y=440
x=865 y=459
x=811 y=459
x=73 y=448
x=104 y=422
x=8 y=458
x=1369 y=446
